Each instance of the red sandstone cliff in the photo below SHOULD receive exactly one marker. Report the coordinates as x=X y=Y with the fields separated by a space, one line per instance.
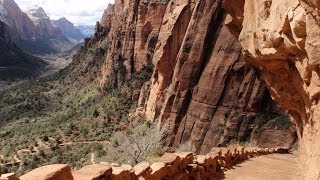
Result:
x=201 y=89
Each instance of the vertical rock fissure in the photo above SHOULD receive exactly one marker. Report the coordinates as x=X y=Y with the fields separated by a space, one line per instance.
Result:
x=213 y=28
x=197 y=61
x=219 y=103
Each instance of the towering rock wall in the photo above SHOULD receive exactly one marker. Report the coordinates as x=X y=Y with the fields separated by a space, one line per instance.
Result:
x=282 y=39
x=134 y=27
x=201 y=89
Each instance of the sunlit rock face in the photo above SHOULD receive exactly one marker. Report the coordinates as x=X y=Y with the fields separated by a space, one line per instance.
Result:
x=282 y=39
x=133 y=28
x=201 y=91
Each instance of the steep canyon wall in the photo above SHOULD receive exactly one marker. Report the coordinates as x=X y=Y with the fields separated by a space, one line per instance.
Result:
x=201 y=89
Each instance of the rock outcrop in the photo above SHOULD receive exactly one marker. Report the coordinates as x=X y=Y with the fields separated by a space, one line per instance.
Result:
x=282 y=40
x=50 y=172
x=134 y=29
x=201 y=91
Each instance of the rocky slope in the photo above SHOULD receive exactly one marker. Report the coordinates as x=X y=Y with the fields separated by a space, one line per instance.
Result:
x=68 y=29
x=282 y=40
x=201 y=90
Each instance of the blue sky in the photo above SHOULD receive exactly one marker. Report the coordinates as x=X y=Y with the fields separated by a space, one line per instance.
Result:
x=79 y=12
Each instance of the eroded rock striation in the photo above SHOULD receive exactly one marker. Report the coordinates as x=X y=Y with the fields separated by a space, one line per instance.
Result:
x=282 y=40
x=201 y=91
x=134 y=28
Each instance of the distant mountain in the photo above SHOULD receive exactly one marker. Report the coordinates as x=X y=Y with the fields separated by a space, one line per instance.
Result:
x=68 y=29
x=86 y=30
x=33 y=31
x=14 y=62
x=21 y=26
x=42 y=22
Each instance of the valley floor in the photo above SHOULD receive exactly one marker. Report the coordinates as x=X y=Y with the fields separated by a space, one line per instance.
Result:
x=269 y=167
x=55 y=63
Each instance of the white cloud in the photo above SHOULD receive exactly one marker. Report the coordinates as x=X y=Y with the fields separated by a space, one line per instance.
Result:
x=79 y=12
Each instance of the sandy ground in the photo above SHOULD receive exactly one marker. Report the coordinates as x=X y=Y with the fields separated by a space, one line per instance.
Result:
x=269 y=167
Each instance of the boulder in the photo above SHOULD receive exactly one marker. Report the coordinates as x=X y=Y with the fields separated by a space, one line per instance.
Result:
x=93 y=172
x=142 y=170
x=121 y=173
x=159 y=171
x=49 y=172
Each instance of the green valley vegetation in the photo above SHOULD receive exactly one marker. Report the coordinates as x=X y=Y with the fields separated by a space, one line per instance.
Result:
x=43 y=121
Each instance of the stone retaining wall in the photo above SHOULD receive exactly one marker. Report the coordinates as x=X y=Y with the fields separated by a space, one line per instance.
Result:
x=173 y=166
